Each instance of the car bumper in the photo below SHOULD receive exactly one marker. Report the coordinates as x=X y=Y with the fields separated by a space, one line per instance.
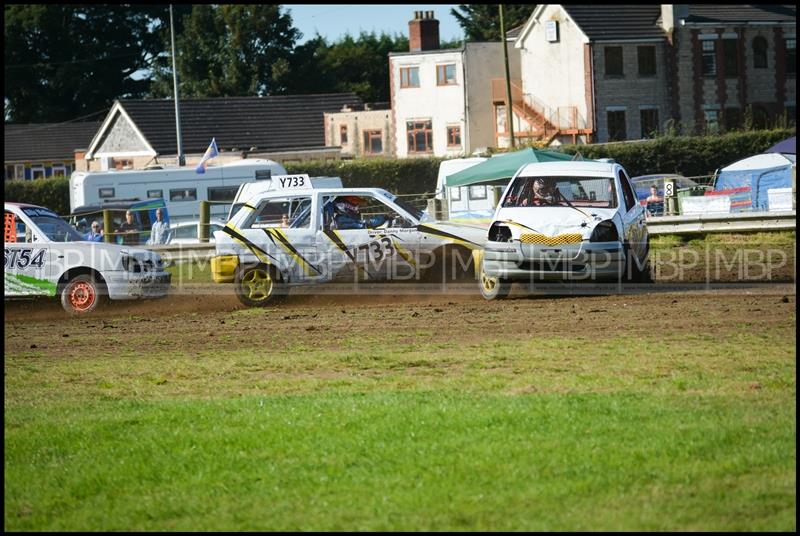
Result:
x=131 y=286
x=223 y=268
x=583 y=261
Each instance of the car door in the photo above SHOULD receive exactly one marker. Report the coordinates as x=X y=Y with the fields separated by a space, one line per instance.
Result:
x=633 y=217
x=381 y=244
x=27 y=259
x=280 y=233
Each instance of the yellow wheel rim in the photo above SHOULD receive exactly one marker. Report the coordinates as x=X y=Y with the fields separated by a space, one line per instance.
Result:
x=257 y=283
x=489 y=283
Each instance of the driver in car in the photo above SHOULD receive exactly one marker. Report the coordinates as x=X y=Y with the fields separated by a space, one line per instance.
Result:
x=347 y=214
x=543 y=194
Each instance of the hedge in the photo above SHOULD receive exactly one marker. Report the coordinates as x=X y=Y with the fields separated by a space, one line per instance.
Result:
x=690 y=156
x=51 y=193
x=687 y=155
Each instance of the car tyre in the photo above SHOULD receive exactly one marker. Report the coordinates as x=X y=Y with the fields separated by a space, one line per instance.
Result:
x=259 y=286
x=82 y=294
x=493 y=288
x=633 y=273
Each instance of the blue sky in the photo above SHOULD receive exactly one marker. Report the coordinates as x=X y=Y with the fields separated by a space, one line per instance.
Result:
x=333 y=21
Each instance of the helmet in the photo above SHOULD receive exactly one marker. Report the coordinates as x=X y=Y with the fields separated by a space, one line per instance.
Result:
x=347 y=206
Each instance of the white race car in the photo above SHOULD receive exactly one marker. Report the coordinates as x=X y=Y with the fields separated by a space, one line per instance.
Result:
x=565 y=221
x=303 y=235
x=45 y=256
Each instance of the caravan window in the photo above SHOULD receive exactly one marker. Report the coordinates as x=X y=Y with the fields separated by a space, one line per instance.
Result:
x=263 y=174
x=477 y=192
x=155 y=194
x=104 y=193
x=455 y=193
x=222 y=193
x=282 y=212
x=183 y=194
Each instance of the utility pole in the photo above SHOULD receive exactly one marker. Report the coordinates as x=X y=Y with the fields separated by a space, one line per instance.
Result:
x=509 y=109
x=181 y=158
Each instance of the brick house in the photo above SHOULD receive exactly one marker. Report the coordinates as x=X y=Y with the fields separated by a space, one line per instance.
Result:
x=621 y=72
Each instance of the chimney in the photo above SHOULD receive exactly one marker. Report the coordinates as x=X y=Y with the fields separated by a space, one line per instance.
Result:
x=671 y=15
x=423 y=32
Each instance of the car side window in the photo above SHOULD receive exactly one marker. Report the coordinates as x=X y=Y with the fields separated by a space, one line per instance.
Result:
x=288 y=212
x=627 y=191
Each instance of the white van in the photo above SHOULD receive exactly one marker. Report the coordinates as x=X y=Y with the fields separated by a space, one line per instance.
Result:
x=251 y=189
x=182 y=188
x=466 y=204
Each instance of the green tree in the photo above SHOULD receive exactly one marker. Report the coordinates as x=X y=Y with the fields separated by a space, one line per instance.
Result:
x=481 y=22
x=360 y=65
x=67 y=61
x=228 y=50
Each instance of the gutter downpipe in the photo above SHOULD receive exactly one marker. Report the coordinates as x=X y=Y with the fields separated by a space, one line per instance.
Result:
x=594 y=97
x=509 y=108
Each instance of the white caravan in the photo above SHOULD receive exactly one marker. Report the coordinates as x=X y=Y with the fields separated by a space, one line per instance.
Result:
x=182 y=188
x=466 y=204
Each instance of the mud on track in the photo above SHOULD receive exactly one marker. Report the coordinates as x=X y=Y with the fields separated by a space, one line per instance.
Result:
x=193 y=320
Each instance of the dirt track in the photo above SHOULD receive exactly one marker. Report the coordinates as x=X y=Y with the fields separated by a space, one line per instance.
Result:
x=194 y=320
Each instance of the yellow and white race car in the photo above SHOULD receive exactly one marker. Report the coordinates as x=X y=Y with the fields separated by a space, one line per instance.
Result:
x=302 y=235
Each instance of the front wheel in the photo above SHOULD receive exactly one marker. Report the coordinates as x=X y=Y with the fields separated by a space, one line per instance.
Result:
x=493 y=288
x=258 y=286
x=81 y=295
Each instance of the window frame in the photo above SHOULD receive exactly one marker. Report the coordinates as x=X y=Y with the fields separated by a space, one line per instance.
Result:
x=103 y=193
x=624 y=130
x=173 y=199
x=790 y=57
x=607 y=56
x=411 y=135
x=406 y=79
x=640 y=58
x=37 y=168
x=441 y=75
x=760 y=56
x=708 y=70
x=369 y=136
x=450 y=129
x=730 y=57
x=343 y=134
x=160 y=194
x=648 y=134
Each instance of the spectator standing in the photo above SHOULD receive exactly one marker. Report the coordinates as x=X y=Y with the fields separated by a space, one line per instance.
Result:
x=159 y=233
x=129 y=230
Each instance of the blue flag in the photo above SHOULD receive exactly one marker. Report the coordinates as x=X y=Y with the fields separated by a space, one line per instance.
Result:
x=210 y=153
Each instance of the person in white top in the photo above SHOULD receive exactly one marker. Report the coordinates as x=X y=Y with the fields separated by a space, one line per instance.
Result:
x=160 y=233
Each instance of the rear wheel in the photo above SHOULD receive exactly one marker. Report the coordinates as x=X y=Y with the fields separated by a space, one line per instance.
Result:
x=81 y=295
x=493 y=288
x=258 y=286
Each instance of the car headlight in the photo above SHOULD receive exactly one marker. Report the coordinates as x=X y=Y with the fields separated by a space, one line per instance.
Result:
x=131 y=264
x=605 y=231
x=499 y=233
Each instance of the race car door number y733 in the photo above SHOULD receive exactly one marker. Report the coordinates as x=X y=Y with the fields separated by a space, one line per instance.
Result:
x=22 y=258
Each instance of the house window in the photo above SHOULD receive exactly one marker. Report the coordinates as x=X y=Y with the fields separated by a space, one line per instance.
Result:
x=733 y=118
x=373 y=142
x=791 y=113
x=731 y=54
x=760 y=52
x=37 y=171
x=649 y=121
x=420 y=136
x=614 y=61
x=709 y=58
x=59 y=170
x=616 y=125
x=409 y=76
x=343 y=134
x=155 y=194
x=647 y=61
x=791 y=56
x=712 y=121
x=454 y=136
x=446 y=75
x=122 y=163
x=19 y=171
x=500 y=118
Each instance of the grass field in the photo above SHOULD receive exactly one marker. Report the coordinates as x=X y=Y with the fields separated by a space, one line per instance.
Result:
x=536 y=415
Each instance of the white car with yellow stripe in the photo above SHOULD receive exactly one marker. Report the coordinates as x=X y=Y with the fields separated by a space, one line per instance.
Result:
x=45 y=256
x=566 y=221
x=294 y=236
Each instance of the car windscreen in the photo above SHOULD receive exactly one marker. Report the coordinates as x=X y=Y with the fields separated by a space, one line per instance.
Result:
x=419 y=215
x=594 y=192
x=57 y=229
